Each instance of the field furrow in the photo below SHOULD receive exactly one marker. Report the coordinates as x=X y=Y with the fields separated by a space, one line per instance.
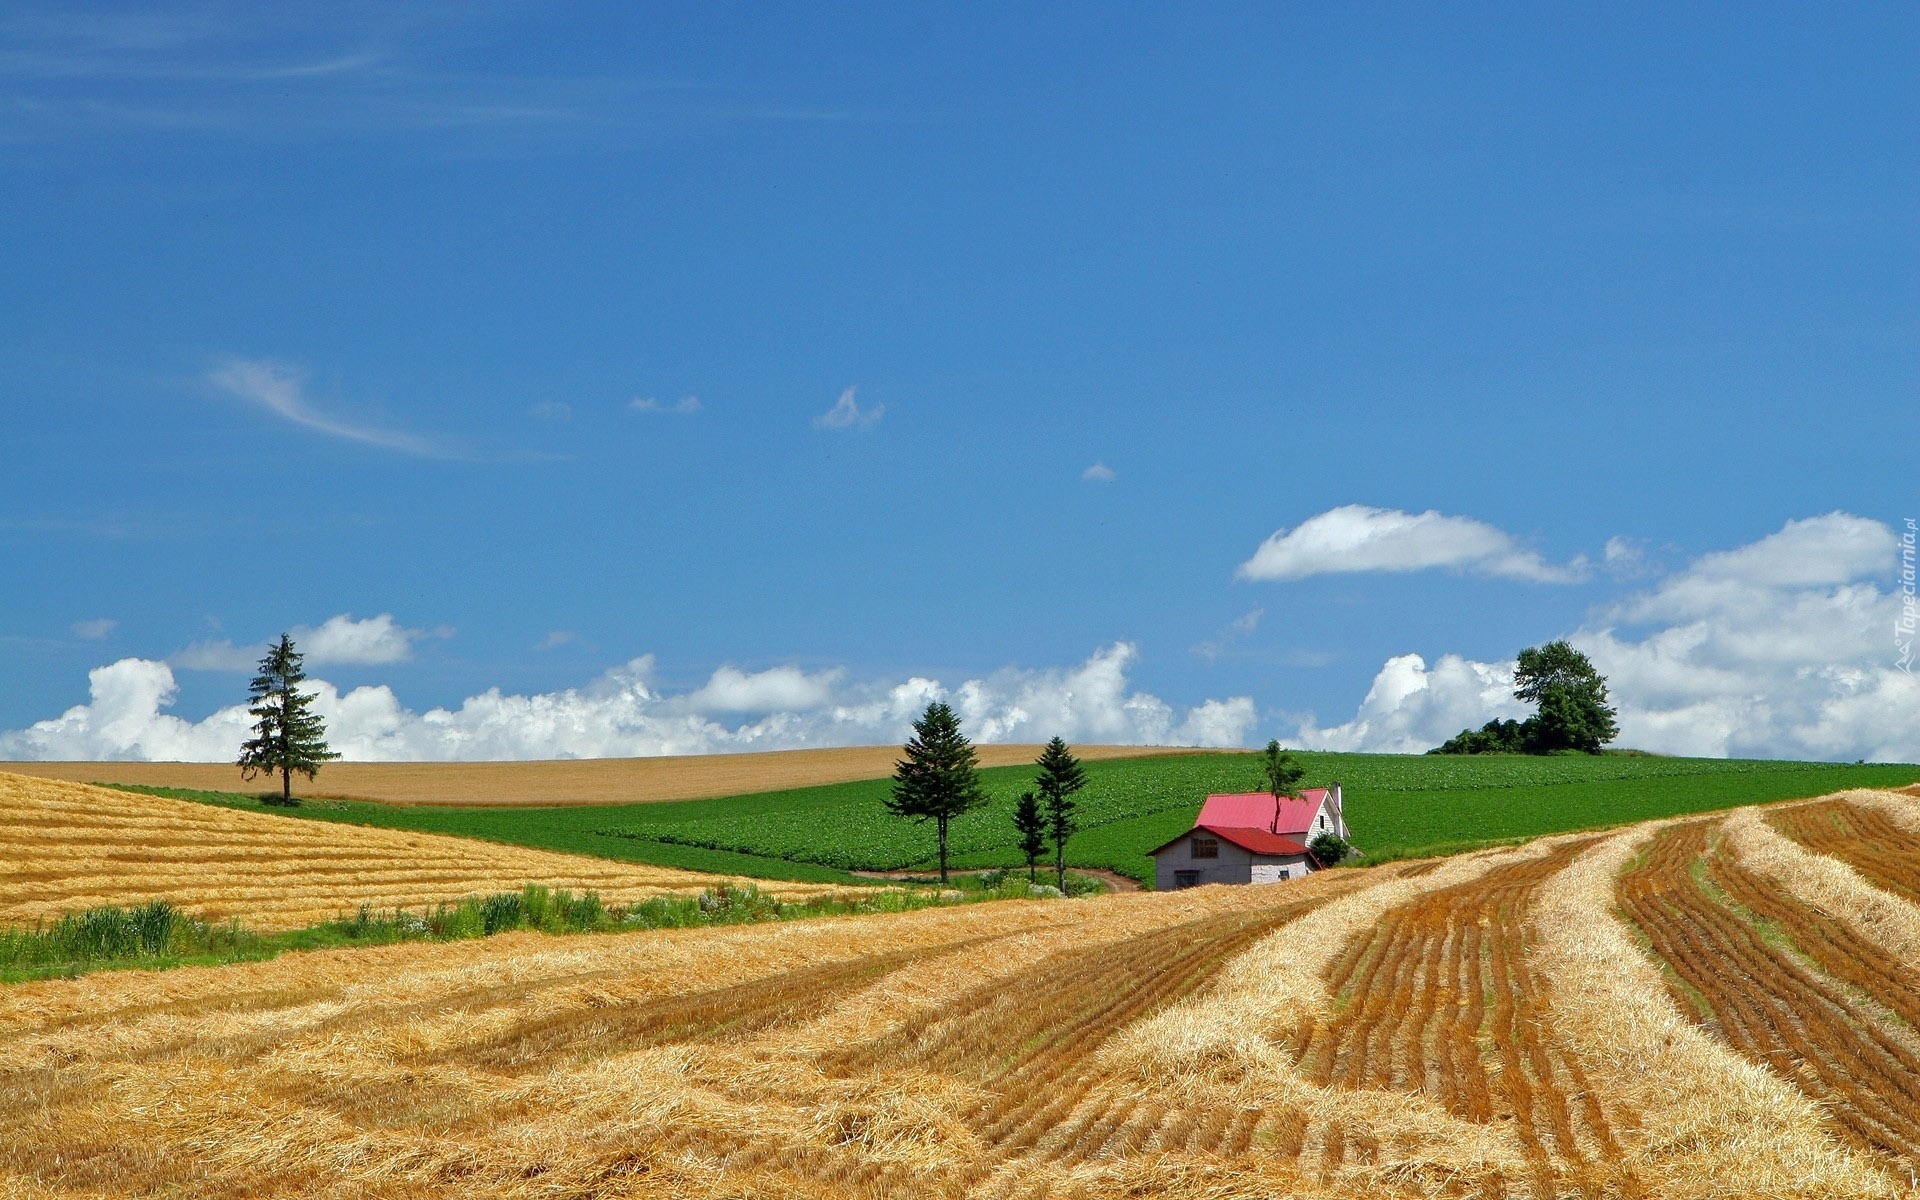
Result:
x=66 y=847
x=1886 y=853
x=1768 y=992
x=1440 y=998
x=1486 y=1027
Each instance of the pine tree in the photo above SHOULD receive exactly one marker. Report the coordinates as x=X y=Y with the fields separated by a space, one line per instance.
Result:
x=288 y=736
x=1032 y=828
x=937 y=779
x=1061 y=775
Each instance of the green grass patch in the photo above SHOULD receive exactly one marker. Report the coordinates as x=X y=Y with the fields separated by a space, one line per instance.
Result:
x=1398 y=806
x=156 y=935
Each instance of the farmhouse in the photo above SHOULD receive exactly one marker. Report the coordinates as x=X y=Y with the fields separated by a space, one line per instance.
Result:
x=1250 y=837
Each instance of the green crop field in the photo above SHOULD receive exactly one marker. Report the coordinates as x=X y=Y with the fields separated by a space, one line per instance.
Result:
x=1397 y=806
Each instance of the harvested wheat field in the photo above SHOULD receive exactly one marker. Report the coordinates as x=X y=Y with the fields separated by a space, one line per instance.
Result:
x=1718 y=1006
x=68 y=846
x=569 y=781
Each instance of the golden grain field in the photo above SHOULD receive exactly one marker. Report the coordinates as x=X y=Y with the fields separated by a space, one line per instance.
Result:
x=569 y=781
x=1703 y=1007
x=68 y=846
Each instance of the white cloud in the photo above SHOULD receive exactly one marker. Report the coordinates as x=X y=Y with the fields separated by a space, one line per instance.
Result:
x=95 y=629
x=339 y=640
x=554 y=640
x=1411 y=709
x=1099 y=473
x=731 y=690
x=1776 y=649
x=846 y=413
x=685 y=406
x=1624 y=558
x=551 y=410
x=622 y=713
x=1355 y=537
x=1836 y=548
x=280 y=389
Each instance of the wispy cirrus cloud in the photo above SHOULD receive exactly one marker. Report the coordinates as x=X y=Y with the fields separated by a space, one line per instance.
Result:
x=281 y=390
x=846 y=413
x=1099 y=473
x=1357 y=538
x=1232 y=632
x=685 y=406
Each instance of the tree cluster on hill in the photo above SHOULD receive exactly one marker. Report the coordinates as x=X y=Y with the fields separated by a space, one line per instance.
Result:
x=1573 y=714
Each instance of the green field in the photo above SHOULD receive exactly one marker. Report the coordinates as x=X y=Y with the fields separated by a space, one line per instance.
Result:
x=1397 y=806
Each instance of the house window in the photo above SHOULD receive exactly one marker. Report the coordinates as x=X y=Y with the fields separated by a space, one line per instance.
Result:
x=1206 y=848
x=1186 y=879
x=1323 y=820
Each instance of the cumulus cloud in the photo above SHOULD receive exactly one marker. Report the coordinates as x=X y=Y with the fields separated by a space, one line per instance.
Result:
x=1099 y=473
x=281 y=390
x=1782 y=648
x=1355 y=537
x=846 y=413
x=339 y=640
x=685 y=406
x=1410 y=709
x=95 y=629
x=624 y=713
x=372 y=642
x=732 y=690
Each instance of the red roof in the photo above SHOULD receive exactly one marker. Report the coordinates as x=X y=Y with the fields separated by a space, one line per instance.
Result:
x=1257 y=840
x=1260 y=811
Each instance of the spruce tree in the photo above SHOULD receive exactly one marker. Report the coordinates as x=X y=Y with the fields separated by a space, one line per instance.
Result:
x=1031 y=825
x=288 y=735
x=937 y=778
x=1061 y=775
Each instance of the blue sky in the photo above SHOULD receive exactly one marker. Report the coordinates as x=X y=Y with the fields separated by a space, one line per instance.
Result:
x=344 y=313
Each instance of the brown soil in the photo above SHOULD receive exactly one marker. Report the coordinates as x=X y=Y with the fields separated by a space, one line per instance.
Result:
x=565 y=782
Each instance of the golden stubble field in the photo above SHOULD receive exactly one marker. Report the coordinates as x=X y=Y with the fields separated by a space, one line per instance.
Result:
x=1719 y=1006
x=571 y=781
x=68 y=846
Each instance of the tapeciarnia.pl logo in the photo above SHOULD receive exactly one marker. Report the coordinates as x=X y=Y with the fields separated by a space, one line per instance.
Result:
x=1909 y=619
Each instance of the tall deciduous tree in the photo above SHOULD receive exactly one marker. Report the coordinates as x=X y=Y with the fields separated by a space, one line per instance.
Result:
x=937 y=779
x=1061 y=775
x=1574 y=713
x=288 y=735
x=1283 y=771
x=1031 y=825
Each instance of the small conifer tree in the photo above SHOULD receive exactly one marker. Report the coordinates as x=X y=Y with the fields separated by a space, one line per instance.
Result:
x=937 y=780
x=1031 y=824
x=288 y=735
x=1061 y=775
